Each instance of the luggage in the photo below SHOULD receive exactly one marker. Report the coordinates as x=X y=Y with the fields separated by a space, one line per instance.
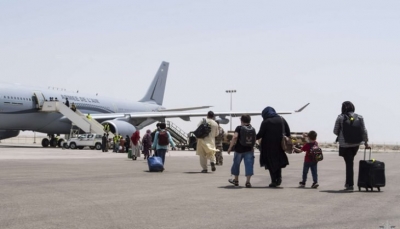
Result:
x=203 y=130
x=155 y=164
x=371 y=174
x=130 y=153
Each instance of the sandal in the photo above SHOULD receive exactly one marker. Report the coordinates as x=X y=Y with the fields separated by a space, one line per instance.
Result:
x=234 y=182
x=248 y=185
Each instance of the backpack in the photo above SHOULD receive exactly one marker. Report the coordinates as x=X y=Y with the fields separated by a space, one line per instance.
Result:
x=352 y=129
x=247 y=137
x=203 y=130
x=163 y=138
x=316 y=153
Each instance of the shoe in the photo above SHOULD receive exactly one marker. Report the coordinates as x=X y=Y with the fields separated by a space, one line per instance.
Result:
x=278 y=182
x=234 y=182
x=204 y=171
x=348 y=187
x=248 y=185
x=315 y=185
x=302 y=184
x=213 y=166
x=273 y=185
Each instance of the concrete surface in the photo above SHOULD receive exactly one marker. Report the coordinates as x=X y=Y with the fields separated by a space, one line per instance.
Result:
x=55 y=188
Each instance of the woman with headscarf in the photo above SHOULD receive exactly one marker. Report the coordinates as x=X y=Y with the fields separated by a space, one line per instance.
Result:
x=135 y=145
x=147 y=142
x=348 y=147
x=272 y=156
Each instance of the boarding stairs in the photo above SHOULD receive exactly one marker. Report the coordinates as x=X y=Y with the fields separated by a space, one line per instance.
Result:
x=76 y=117
x=178 y=135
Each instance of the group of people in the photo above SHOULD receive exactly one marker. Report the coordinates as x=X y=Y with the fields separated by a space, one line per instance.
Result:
x=272 y=156
x=158 y=140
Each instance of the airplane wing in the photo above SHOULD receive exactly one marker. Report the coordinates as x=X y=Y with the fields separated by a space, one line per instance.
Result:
x=160 y=115
x=186 y=108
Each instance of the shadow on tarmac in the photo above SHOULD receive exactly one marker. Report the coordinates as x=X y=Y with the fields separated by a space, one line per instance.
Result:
x=336 y=191
x=196 y=172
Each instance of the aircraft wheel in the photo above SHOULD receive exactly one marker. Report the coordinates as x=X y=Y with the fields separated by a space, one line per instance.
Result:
x=72 y=145
x=53 y=142
x=60 y=143
x=98 y=146
x=45 y=142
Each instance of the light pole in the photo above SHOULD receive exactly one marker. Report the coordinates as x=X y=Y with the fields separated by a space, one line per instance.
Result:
x=231 y=92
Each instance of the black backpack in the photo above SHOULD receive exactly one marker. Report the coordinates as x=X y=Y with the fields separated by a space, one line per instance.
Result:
x=247 y=136
x=203 y=130
x=352 y=129
x=316 y=153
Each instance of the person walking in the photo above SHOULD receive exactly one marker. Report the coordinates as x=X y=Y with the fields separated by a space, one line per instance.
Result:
x=244 y=140
x=66 y=102
x=309 y=163
x=350 y=130
x=161 y=141
x=127 y=143
x=104 y=143
x=135 y=144
x=73 y=107
x=218 y=144
x=272 y=156
x=147 y=144
x=206 y=146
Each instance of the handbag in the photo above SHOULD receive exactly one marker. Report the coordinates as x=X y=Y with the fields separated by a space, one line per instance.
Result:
x=286 y=143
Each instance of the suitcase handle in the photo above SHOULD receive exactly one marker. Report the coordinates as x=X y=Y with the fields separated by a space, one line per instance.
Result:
x=365 y=152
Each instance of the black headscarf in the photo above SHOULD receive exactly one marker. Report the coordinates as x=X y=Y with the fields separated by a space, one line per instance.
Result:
x=269 y=112
x=347 y=107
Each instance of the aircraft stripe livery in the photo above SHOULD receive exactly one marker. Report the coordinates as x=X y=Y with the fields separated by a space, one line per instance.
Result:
x=20 y=109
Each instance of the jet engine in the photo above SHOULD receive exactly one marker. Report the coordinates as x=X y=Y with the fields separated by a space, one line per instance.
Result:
x=222 y=120
x=8 y=134
x=120 y=127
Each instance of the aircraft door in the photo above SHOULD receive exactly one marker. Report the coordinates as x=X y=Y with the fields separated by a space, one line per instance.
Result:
x=39 y=97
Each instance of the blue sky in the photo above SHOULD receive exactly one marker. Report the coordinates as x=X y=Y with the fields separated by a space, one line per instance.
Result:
x=274 y=53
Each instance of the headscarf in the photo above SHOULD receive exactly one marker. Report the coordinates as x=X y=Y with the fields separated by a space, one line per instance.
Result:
x=269 y=112
x=135 y=137
x=148 y=131
x=347 y=107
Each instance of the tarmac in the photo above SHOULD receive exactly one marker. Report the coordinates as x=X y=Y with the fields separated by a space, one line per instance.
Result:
x=56 y=188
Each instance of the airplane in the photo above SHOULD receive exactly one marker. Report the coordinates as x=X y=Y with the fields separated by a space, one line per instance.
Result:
x=20 y=110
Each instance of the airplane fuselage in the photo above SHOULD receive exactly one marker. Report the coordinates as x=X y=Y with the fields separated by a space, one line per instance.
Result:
x=19 y=111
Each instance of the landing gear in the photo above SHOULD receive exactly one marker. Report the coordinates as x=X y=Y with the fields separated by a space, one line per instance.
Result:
x=60 y=143
x=45 y=142
x=53 y=142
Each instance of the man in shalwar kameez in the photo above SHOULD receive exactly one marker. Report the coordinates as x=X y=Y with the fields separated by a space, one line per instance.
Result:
x=206 y=146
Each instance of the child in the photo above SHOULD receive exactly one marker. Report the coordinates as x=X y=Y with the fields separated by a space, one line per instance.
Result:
x=309 y=163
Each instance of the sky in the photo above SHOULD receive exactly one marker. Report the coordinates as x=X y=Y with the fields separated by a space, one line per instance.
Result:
x=282 y=54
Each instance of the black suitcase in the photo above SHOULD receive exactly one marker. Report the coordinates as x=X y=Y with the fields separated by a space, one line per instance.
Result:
x=371 y=174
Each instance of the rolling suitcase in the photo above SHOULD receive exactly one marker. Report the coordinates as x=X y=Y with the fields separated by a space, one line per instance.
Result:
x=371 y=174
x=155 y=164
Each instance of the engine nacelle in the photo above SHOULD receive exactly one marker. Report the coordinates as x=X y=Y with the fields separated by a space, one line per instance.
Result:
x=8 y=134
x=120 y=127
x=223 y=120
